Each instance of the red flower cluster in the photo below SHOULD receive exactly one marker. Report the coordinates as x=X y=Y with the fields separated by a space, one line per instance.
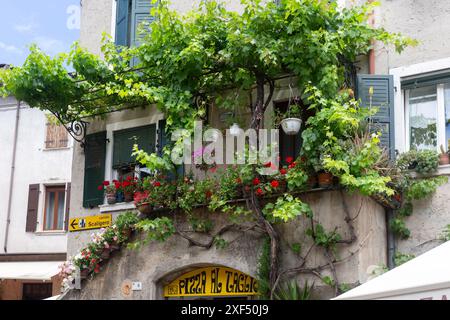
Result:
x=256 y=181
x=275 y=184
x=157 y=184
x=283 y=171
x=259 y=192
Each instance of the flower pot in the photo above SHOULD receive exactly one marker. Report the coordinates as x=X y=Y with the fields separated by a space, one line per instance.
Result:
x=111 y=198
x=120 y=197
x=444 y=159
x=144 y=208
x=325 y=179
x=312 y=181
x=291 y=126
x=128 y=196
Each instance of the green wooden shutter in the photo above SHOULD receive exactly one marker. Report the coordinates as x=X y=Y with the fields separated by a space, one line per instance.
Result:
x=94 y=169
x=163 y=140
x=124 y=140
x=383 y=99
x=140 y=13
x=122 y=23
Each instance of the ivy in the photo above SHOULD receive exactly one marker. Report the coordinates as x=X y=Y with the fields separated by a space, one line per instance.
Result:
x=287 y=208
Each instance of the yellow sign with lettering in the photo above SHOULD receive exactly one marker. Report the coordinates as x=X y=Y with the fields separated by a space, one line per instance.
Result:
x=90 y=222
x=212 y=281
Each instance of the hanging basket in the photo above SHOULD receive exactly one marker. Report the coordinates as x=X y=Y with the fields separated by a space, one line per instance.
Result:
x=291 y=126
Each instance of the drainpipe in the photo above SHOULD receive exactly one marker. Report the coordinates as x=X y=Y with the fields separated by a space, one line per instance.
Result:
x=391 y=248
x=11 y=179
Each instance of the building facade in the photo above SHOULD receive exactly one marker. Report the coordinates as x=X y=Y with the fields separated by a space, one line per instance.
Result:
x=411 y=87
x=36 y=157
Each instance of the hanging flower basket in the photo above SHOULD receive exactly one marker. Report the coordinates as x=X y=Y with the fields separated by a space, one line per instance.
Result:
x=291 y=126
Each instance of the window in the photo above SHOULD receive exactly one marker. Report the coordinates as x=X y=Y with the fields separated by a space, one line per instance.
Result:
x=427 y=115
x=54 y=208
x=56 y=136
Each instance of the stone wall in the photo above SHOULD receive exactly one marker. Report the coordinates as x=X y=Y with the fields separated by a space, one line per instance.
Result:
x=157 y=263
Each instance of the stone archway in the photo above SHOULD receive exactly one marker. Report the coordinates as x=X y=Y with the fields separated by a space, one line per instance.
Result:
x=207 y=281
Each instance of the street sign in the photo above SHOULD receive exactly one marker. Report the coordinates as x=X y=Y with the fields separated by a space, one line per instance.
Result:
x=90 y=222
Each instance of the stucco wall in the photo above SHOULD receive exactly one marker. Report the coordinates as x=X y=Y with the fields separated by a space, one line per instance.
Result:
x=424 y=20
x=156 y=263
x=33 y=165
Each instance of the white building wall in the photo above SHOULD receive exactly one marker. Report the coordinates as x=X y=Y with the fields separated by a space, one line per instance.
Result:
x=33 y=165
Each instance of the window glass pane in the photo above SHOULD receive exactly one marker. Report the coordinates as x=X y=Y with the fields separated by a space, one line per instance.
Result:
x=61 y=196
x=422 y=118
x=49 y=210
x=447 y=114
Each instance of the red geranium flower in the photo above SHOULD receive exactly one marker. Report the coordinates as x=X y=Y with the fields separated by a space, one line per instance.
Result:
x=129 y=178
x=100 y=187
x=208 y=194
x=126 y=183
x=97 y=268
x=289 y=159
x=259 y=192
x=117 y=184
x=275 y=183
x=268 y=164
x=156 y=184
x=256 y=181
x=106 y=183
x=283 y=171
x=238 y=180
x=292 y=165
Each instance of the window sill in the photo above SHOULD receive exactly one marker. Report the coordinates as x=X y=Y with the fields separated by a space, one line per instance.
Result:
x=56 y=149
x=121 y=206
x=443 y=170
x=51 y=233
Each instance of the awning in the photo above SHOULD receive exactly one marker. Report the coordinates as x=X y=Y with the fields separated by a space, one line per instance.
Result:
x=424 y=277
x=39 y=270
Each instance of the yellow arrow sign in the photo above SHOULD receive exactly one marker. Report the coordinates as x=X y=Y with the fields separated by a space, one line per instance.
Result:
x=90 y=222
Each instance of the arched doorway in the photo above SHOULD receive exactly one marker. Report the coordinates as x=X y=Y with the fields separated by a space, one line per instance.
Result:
x=211 y=283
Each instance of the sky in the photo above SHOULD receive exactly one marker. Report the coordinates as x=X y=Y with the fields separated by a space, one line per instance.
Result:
x=52 y=24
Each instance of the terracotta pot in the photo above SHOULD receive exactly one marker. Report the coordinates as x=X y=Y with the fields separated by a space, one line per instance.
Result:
x=312 y=181
x=325 y=179
x=128 y=196
x=145 y=208
x=444 y=159
x=111 y=198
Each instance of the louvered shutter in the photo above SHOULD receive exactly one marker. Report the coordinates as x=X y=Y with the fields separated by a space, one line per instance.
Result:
x=383 y=99
x=94 y=169
x=140 y=20
x=32 y=210
x=122 y=23
x=66 y=217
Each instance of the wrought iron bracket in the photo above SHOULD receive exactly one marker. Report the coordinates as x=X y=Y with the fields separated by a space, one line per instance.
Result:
x=77 y=130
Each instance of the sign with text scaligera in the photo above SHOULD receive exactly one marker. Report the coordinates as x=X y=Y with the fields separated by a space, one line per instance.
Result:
x=90 y=222
x=212 y=281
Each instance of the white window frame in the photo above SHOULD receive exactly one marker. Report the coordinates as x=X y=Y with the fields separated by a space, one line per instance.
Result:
x=401 y=110
x=110 y=173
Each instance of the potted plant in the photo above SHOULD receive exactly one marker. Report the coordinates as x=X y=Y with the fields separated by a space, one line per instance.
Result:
x=292 y=120
x=110 y=191
x=128 y=187
x=443 y=157
x=142 y=202
x=119 y=191
x=325 y=179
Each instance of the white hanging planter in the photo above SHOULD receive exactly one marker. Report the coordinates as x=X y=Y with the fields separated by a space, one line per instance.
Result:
x=291 y=126
x=235 y=130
